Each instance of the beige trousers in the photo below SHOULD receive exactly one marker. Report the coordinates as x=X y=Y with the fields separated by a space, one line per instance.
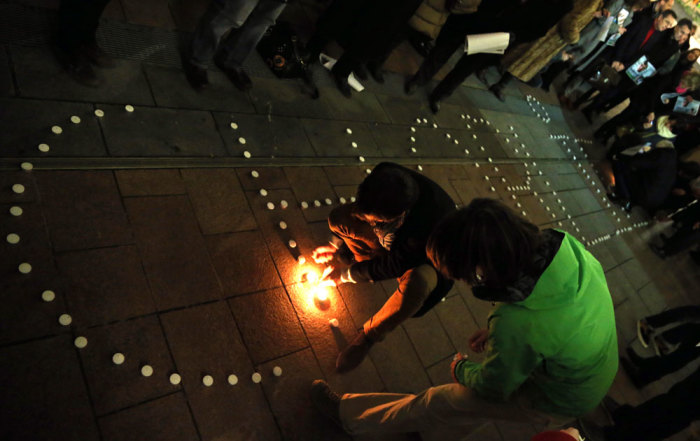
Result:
x=448 y=412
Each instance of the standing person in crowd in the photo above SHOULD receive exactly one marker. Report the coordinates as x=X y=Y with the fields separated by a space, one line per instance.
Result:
x=382 y=236
x=687 y=228
x=74 y=43
x=551 y=344
x=525 y=20
x=246 y=21
x=528 y=60
x=666 y=50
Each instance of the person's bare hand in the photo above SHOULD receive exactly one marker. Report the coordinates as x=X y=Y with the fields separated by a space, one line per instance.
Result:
x=617 y=66
x=455 y=361
x=573 y=432
x=323 y=254
x=688 y=99
x=331 y=274
x=621 y=30
x=477 y=342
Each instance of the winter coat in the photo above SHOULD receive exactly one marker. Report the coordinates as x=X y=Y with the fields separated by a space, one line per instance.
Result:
x=432 y=14
x=558 y=346
x=526 y=61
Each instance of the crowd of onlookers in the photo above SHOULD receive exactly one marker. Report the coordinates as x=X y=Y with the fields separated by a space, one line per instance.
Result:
x=609 y=50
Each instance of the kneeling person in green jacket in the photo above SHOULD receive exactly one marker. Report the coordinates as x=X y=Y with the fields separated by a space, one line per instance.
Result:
x=551 y=345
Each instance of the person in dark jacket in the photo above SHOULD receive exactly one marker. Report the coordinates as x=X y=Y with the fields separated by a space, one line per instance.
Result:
x=645 y=101
x=526 y=21
x=382 y=236
x=666 y=49
x=643 y=35
x=645 y=178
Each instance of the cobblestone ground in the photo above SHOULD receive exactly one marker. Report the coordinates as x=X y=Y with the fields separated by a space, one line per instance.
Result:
x=149 y=234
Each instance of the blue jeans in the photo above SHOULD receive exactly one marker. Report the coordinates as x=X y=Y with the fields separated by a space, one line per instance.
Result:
x=247 y=21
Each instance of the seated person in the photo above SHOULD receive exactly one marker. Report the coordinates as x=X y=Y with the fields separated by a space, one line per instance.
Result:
x=382 y=236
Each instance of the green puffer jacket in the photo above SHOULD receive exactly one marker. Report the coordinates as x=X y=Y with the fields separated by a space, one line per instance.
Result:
x=558 y=346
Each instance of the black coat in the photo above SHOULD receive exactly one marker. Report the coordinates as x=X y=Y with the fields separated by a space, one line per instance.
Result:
x=629 y=47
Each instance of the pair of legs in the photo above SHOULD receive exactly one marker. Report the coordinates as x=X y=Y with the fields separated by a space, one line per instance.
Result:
x=419 y=288
x=450 y=411
x=246 y=22
x=659 y=417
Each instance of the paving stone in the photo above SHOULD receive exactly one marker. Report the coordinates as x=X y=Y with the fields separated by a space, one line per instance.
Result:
x=83 y=209
x=635 y=273
x=204 y=341
x=171 y=89
x=345 y=175
x=512 y=430
x=398 y=364
x=154 y=14
x=218 y=200
x=441 y=372
x=362 y=107
x=393 y=141
x=619 y=285
x=164 y=419
x=24 y=314
x=363 y=300
x=265 y=135
x=278 y=97
x=27 y=123
x=242 y=262
x=402 y=110
x=652 y=297
x=626 y=316
x=152 y=131
x=329 y=138
x=429 y=338
x=105 y=285
x=114 y=387
x=309 y=184
x=488 y=432
x=149 y=182
x=268 y=324
x=186 y=14
x=467 y=190
x=289 y=399
x=268 y=178
x=173 y=252
x=480 y=309
x=35 y=393
x=10 y=178
x=458 y=322
x=7 y=87
x=34 y=66
x=345 y=191
x=327 y=341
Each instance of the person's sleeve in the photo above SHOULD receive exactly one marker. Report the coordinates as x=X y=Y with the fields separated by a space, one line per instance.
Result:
x=509 y=362
x=403 y=256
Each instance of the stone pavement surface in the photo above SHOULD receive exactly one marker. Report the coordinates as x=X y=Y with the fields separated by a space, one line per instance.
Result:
x=156 y=239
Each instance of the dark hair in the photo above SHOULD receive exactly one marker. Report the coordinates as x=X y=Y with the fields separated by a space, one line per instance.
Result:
x=640 y=4
x=488 y=234
x=668 y=12
x=387 y=192
x=685 y=22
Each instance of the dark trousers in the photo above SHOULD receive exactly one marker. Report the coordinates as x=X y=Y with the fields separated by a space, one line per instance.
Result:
x=420 y=288
x=77 y=22
x=659 y=417
x=466 y=66
x=335 y=24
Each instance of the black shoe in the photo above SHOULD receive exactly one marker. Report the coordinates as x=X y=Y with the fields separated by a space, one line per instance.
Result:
x=196 y=76
x=326 y=401
x=342 y=84
x=659 y=251
x=238 y=77
x=434 y=105
x=97 y=56
x=590 y=430
x=410 y=86
x=354 y=353
x=610 y=406
x=588 y=114
x=498 y=92
x=76 y=65
x=634 y=373
x=376 y=71
x=361 y=72
x=481 y=76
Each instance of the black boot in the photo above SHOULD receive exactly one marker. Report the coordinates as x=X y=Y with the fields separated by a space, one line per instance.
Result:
x=326 y=401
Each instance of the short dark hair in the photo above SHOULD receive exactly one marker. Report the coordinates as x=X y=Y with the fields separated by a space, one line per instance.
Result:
x=668 y=12
x=387 y=192
x=488 y=234
x=639 y=4
x=685 y=22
